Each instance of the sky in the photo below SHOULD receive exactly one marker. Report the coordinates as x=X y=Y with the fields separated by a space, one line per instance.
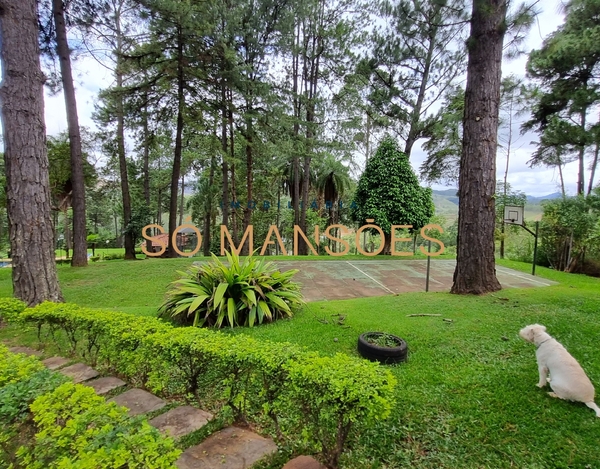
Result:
x=90 y=77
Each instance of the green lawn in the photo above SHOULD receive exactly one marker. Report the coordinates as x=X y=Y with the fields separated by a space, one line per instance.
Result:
x=467 y=396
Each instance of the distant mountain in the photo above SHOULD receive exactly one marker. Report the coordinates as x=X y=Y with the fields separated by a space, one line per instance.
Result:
x=534 y=200
x=446 y=204
x=447 y=192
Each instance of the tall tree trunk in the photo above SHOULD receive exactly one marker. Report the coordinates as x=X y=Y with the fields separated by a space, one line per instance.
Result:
x=68 y=234
x=178 y=145
x=208 y=209
x=311 y=80
x=413 y=130
x=225 y=148
x=78 y=195
x=296 y=136
x=146 y=162
x=182 y=203
x=581 y=158
x=505 y=188
x=249 y=181
x=562 y=179
x=128 y=236
x=593 y=169
x=475 y=264
x=31 y=235
x=234 y=214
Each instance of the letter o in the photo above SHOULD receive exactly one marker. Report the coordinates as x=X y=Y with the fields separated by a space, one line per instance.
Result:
x=357 y=240
x=174 y=240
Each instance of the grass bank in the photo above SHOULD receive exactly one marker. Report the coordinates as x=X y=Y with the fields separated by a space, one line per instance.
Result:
x=466 y=397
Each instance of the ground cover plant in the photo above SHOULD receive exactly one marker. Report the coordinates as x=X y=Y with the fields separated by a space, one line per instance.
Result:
x=466 y=396
x=49 y=422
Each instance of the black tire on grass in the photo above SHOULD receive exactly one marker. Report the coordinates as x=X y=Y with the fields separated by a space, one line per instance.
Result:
x=385 y=355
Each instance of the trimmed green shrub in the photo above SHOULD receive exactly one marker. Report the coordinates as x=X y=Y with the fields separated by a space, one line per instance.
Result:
x=111 y=337
x=335 y=393
x=241 y=294
x=15 y=367
x=297 y=394
x=113 y=257
x=10 y=309
x=78 y=429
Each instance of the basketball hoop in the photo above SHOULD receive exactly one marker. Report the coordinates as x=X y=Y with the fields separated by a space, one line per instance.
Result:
x=513 y=214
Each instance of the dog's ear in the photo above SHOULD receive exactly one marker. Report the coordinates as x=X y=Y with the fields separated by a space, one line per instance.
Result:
x=542 y=328
x=530 y=332
x=527 y=333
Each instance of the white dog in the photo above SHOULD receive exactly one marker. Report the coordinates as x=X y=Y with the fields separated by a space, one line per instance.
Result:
x=567 y=378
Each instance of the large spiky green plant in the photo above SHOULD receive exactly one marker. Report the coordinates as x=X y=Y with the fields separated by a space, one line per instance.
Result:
x=238 y=294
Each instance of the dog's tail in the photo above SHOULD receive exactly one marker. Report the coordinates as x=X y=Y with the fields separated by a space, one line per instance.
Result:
x=592 y=405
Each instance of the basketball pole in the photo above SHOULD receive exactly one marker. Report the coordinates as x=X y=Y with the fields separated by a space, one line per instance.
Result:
x=535 y=243
x=428 y=264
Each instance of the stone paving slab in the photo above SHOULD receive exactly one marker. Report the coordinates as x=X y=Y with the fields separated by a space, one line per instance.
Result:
x=231 y=448
x=80 y=372
x=303 y=462
x=54 y=363
x=25 y=350
x=181 y=421
x=138 y=401
x=106 y=384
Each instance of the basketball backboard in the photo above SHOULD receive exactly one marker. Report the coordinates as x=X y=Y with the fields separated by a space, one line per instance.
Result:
x=513 y=214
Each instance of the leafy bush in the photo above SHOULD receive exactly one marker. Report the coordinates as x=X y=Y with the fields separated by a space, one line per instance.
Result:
x=567 y=231
x=319 y=400
x=112 y=257
x=15 y=367
x=243 y=294
x=16 y=397
x=10 y=309
x=78 y=429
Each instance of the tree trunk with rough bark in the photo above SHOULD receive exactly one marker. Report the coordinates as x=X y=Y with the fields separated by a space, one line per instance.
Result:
x=225 y=148
x=146 y=163
x=128 y=237
x=208 y=207
x=178 y=146
x=475 y=264
x=30 y=226
x=79 y=258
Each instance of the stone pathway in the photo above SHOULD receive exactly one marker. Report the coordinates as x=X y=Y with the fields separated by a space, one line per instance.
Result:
x=303 y=462
x=79 y=372
x=180 y=421
x=138 y=401
x=230 y=448
x=25 y=350
x=105 y=385
x=54 y=363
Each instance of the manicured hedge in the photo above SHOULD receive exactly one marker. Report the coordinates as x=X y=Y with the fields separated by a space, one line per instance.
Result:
x=10 y=309
x=308 y=397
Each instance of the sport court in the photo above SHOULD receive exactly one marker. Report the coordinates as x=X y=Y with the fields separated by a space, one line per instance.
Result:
x=340 y=280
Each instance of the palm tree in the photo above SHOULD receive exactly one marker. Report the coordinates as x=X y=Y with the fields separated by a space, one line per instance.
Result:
x=333 y=181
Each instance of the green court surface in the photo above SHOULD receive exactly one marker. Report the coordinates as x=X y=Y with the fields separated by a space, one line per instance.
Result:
x=339 y=280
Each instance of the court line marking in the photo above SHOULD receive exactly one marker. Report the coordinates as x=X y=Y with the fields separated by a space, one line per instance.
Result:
x=524 y=278
x=367 y=275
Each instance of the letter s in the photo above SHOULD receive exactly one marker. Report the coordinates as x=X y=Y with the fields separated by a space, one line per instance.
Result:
x=442 y=247
x=153 y=238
